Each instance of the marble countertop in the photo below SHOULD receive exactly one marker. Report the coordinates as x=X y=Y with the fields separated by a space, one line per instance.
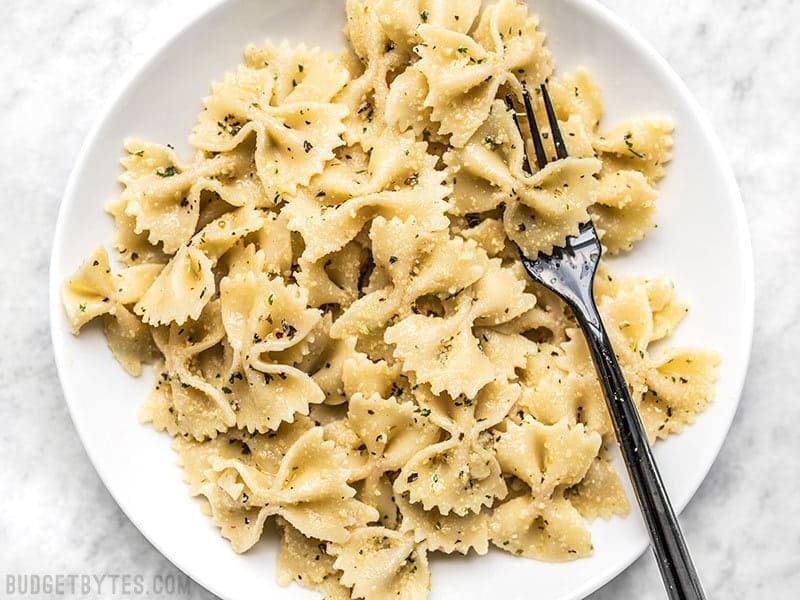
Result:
x=59 y=62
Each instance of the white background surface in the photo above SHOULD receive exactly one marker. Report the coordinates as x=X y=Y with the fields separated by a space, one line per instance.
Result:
x=60 y=61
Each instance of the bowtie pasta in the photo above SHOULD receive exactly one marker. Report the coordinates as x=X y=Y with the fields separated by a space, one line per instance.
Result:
x=341 y=334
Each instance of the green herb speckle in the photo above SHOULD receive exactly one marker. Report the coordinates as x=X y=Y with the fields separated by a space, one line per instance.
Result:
x=629 y=144
x=168 y=172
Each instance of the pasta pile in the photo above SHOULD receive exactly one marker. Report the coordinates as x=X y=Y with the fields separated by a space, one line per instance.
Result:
x=341 y=332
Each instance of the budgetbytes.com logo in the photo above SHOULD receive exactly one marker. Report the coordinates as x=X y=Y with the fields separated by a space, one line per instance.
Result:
x=84 y=585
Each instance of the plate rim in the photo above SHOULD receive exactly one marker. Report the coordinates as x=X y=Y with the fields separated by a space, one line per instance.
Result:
x=597 y=10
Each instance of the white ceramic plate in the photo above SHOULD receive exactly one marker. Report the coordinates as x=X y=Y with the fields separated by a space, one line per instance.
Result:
x=702 y=241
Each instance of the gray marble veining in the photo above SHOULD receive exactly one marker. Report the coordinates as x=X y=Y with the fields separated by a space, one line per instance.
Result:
x=58 y=61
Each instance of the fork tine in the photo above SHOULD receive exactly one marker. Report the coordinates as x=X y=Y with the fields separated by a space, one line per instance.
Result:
x=541 y=157
x=558 y=140
x=526 y=165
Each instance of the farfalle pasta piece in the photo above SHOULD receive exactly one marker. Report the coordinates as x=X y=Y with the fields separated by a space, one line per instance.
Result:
x=507 y=352
x=599 y=494
x=577 y=94
x=643 y=144
x=264 y=315
x=355 y=457
x=375 y=58
x=646 y=310
x=546 y=456
x=465 y=73
x=396 y=566
x=390 y=430
x=554 y=206
x=444 y=351
x=633 y=155
x=501 y=294
x=300 y=74
x=328 y=229
x=680 y=384
x=445 y=533
x=241 y=523
x=275 y=241
x=365 y=101
x=336 y=278
x=460 y=474
x=163 y=193
x=553 y=532
x=132 y=248
x=367 y=377
x=310 y=491
x=401 y=18
x=628 y=320
x=633 y=325
x=553 y=393
x=362 y=29
x=545 y=323
x=668 y=309
x=411 y=185
x=312 y=487
x=293 y=141
x=379 y=436
x=262 y=318
x=405 y=102
x=542 y=209
x=184 y=400
x=262 y=451
x=488 y=169
x=329 y=377
x=307 y=353
x=438 y=476
x=189 y=277
x=184 y=287
x=417 y=263
x=242 y=259
x=157 y=189
x=94 y=290
x=624 y=209
x=129 y=340
x=272 y=393
x=348 y=174
x=306 y=561
x=489 y=235
x=222 y=234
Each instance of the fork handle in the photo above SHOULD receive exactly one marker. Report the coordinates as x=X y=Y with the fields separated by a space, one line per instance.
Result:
x=672 y=555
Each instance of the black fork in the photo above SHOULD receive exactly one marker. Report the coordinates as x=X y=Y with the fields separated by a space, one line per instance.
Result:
x=569 y=272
